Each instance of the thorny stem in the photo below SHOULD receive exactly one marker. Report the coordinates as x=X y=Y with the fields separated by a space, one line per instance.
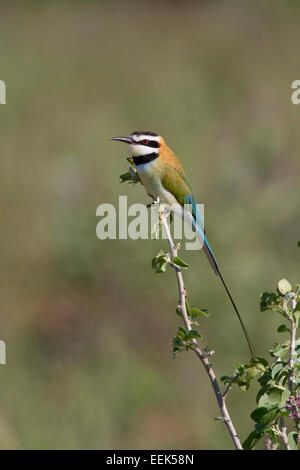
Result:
x=203 y=357
x=291 y=367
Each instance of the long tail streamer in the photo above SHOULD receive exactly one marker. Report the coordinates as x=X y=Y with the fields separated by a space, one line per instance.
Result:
x=199 y=226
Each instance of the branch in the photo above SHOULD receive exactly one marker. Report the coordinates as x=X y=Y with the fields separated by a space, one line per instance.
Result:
x=203 y=357
x=285 y=438
x=292 y=355
x=291 y=377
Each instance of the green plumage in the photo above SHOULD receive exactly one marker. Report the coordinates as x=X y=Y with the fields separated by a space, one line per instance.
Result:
x=175 y=182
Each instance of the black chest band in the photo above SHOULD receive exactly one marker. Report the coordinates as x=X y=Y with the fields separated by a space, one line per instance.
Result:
x=144 y=158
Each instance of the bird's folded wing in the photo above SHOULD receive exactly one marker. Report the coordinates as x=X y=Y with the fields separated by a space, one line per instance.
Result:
x=175 y=182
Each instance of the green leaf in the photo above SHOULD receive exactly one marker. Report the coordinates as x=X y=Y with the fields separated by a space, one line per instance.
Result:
x=130 y=161
x=298 y=243
x=284 y=286
x=226 y=379
x=160 y=262
x=255 y=368
x=297 y=317
x=277 y=368
x=125 y=177
x=263 y=399
x=264 y=416
x=239 y=368
x=282 y=378
x=268 y=300
x=280 y=350
x=192 y=334
x=243 y=374
x=182 y=340
x=259 y=360
x=195 y=312
x=293 y=440
x=283 y=328
x=182 y=332
x=252 y=439
x=243 y=384
x=178 y=311
x=272 y=434
x=161 y=268
x=132 y=175
x=274 y=395
x=176 y=351
x=178 y=261
x=177 y=341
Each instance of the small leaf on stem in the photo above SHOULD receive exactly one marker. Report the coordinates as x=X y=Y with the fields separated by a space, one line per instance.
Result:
x=178 y=261
x=283 y=329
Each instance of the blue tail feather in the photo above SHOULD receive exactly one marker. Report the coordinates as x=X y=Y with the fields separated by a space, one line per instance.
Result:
x=199 y=225
x=198 y=219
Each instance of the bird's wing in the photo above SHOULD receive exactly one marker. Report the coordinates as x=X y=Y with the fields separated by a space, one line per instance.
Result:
x=175 y=182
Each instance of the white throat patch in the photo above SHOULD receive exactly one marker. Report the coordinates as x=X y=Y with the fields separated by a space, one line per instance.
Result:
x=140 y=150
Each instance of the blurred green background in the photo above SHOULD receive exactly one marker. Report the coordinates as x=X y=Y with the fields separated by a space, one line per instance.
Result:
x=87 y=324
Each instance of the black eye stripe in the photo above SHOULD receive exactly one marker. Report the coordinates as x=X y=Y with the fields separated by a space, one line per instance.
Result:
x=152 y=143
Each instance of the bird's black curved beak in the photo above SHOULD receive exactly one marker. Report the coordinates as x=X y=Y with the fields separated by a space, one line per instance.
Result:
x=127 y=140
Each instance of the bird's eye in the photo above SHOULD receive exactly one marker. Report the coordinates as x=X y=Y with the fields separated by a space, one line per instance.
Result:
x=145 y=142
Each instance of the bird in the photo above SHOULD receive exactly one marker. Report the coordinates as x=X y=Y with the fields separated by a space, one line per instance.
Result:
x=164 y=179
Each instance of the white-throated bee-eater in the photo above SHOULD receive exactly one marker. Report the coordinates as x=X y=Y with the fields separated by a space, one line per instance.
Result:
x=163 y=177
